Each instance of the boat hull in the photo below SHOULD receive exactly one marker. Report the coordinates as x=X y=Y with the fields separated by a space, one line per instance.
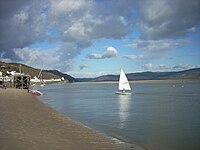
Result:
x=123 y=93
x=35 y=92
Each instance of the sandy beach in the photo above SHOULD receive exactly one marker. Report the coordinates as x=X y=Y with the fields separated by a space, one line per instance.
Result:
x=28 y=124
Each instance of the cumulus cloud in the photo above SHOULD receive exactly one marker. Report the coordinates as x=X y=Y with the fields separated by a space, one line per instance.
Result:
x=133 y=57
x=164 y=25
x=37 y=58
x=77 y=24
x=21 y=23
x=109 y=53
x=158 y=45
x=149 y=66
x=165 y=67
x=82 y=66
x=81 y=22
x=69 y=50
x=155 y=49
x=182 y=67
x=167 y=19
x=91 y=22
x=9 y=56
x=87 y=74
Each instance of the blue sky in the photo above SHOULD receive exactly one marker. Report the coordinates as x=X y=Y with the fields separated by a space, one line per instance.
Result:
x=88 y=38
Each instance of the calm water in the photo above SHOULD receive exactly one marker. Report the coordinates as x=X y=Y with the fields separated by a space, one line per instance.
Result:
x=159 y=116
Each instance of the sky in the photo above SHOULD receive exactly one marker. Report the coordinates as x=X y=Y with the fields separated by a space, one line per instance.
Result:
x=89 y=38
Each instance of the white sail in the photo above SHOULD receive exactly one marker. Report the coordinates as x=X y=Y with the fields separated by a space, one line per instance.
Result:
x=123 y=82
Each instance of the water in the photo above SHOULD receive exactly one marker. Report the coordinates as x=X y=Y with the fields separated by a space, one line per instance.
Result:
x=158 y=115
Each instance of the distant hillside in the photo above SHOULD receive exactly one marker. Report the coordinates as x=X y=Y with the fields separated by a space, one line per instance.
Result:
x=46 y=74
x=187 y=74
x=106 y=78
x=66 y=76
x=84 y=79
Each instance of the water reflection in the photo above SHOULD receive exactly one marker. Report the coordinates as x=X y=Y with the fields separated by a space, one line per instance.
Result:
x=124 y=104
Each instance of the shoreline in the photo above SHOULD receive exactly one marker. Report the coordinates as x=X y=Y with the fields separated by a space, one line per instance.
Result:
x=115 y=140
x=142 y=81
x=28 y=123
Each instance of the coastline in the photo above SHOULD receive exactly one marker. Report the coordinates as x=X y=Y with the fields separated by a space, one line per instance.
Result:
x=27 y=123
x=143 y=81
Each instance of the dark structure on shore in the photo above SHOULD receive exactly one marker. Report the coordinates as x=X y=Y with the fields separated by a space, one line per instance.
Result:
x=21 y=81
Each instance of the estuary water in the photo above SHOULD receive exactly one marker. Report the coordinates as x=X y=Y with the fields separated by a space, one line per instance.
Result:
x=160 y=115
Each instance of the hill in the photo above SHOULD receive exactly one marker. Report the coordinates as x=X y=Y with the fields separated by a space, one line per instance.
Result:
x=186 y=74
x=46 y=74
x=60 y=74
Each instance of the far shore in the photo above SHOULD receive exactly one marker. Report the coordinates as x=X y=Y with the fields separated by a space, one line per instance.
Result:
x=28 y=124
x=145 y=81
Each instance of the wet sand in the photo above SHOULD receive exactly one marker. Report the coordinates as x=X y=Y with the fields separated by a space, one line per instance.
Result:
x=28 y=124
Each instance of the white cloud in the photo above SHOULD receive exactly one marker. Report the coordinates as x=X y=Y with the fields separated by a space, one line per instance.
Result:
x=22 y=25
x=8 y=56
x=78 y=24
x=167 y=19
x=95 y=56
x=134 y=57
x=83 y=21
x=61 y=7
x=164 y=24
x=109 y=53
x=182 y=67
x=86 y=74
x=166 y=68
x=149 y=66
x=158 y=45
x=38 y=58
x=82 y=66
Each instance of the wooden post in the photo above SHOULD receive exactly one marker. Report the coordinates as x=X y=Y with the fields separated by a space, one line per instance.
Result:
x=20 y=68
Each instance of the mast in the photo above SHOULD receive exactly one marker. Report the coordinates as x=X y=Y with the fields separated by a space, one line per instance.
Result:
x=39 y=73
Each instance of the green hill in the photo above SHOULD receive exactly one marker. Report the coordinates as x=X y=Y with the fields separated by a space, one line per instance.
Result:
x=46 y=74
x=186 y=74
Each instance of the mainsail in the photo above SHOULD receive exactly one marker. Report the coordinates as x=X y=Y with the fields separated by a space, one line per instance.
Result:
x=123 y=82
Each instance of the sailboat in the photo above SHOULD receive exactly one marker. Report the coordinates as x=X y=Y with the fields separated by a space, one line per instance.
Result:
x=38 y=79
x=123 y=84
